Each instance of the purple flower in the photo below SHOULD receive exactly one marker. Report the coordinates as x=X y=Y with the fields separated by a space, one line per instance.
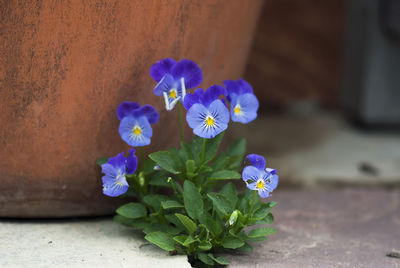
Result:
x=134 y=127
x=244 y=103
x=174 y=78
x=114 y=181
x=207 y=115
x=258 y=177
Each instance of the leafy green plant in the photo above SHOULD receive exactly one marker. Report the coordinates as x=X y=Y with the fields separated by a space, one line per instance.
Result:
x=184 y=199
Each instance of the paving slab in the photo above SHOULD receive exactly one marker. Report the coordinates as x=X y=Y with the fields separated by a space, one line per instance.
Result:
x=350 y=227
x=330 y=228
x=79 y=243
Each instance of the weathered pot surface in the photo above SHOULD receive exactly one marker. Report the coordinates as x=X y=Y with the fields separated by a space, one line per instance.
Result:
x=65 y=67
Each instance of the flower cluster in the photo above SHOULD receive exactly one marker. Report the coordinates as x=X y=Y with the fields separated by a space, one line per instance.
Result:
x=197 y=215
x=258 y=177
x=114 y=181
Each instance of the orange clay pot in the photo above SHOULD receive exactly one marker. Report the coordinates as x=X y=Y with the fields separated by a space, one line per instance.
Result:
x=64 y=68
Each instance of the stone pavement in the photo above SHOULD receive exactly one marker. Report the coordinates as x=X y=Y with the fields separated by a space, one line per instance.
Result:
x=349 y=227
x=330 y=228
x=322 y=148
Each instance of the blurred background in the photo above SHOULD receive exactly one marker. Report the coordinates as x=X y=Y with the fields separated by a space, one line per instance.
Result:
x=328 y=76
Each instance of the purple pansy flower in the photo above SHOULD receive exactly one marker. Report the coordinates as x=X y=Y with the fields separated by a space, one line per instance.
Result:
x=244 y=103
x=207 y=115
x=134 y=126
x=114 y=181
x=258 y=177
x=174 y=78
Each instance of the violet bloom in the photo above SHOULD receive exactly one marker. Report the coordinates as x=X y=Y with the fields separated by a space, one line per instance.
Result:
x=244 y=103
x=174 y=78
x=207 y=115
x=134 y=127
x=114 y=181
x=258 y=177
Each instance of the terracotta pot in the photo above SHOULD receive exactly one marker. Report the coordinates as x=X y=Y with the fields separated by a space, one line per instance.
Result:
x=65 y=67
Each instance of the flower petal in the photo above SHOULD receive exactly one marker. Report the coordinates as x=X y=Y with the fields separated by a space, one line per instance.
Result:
x=190 y=71
x=118 y=162
x=196 y=114
x=114 y=189
x=263 y=193
x=108 y=170
x=164 y=85
x=131 y=164
x=244 y=86
x=232 y=88
x=126 y=128
x=160 y=68
x=257 y=160
x=248 y=106
x=192 y=98
x=220 y=115
x=252 y=186
x=211 y=94
x=274 y=182
x=126 y=108
x=251 y=173
x=149 y=112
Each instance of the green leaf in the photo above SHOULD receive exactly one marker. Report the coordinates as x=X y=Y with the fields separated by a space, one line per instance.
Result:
x=147 y=167
x=165 y=228
x=205 y=245
x=166 y=160
x=154 y=200
x=246 y=247
x=212 y=147
x=224 y=175
x=189 y=240
x=160 y=178
x=132 y=211
x=186 y=152
x=102 y=160
x=267 y=220
x=162 y=240
x=192 y=200
x=195 y=146
x=232 y=242
x=256 y=239
x=262 y=212
x=204 y=169
x=123 y=220
x=180 y=239
x=220 y=260
x=214 y=227
x=205 y=258
x=229 y=191
x=221 y=203
x=260 y=232
x=190 y=168
x=236 y=152
x=140 y=224
x=187 y=222
x=171 y=204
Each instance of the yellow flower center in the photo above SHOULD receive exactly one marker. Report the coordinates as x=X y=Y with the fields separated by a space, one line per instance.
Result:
x=210 y=121
x=173 y=93
x=137 y=130
x=119 y=183
x=237 y=109
x=260 y=184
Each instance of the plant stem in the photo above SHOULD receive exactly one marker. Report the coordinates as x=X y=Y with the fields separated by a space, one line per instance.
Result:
x=174 y=188
x=203 y=150
x=180 y=121
x=252 y=204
